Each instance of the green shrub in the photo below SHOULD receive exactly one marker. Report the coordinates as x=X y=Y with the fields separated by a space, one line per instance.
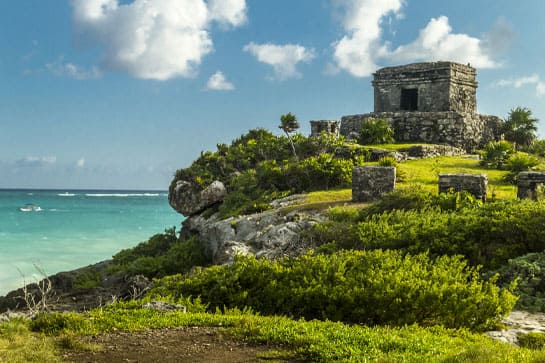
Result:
x=87 y=280
x=496 y=154
x=488 y=236
x=453 y=201
x=413 y=198
x=370 y=287
x=161 y=255
x=533 y=340
x=529 y=272
x=537 y=148
x=517 y=163
x=376 y=131
x=55 y=323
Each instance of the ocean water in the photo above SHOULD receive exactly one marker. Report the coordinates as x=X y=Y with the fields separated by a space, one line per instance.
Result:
x=74 y=228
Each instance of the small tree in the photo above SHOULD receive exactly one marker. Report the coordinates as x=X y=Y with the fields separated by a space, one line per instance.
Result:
x=376 y=131
x=288 y=124
x=520 y=127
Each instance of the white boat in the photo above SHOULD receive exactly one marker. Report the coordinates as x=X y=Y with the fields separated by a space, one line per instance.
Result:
x=30 y=208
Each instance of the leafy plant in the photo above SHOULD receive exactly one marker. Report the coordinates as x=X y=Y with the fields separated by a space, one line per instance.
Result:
x=455 y=201
x=496 y=154
x=517 y=163
x=375 y=131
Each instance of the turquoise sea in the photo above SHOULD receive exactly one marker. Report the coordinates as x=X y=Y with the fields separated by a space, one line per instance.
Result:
x=74 y=228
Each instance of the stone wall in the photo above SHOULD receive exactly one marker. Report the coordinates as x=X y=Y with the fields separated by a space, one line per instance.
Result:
x=431 y=151
x=475 y=184
x=462 y=130
x=527 y=184
x=371 y=182
x=327 y=126
x=437 y=86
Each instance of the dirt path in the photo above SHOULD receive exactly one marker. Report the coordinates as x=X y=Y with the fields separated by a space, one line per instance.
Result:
x=187 y=344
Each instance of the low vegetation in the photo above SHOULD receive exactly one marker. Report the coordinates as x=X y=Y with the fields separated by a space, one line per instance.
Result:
x=369 y=287
x=315 y=341
x=163 y=254
x=409 y=278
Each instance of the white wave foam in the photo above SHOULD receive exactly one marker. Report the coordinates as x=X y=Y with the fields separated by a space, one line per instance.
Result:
x=123 y=195
x=66 y=194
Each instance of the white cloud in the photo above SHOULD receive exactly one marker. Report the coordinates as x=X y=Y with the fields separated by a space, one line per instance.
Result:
x=533 y=80
x=36 y=161
x=361 y=50
x=437 y=42
x=70 y=70
x=283 y=58
x=80 y=163
x=229 y=12
x=154 y=39
x=218 y=82
x=357 y=51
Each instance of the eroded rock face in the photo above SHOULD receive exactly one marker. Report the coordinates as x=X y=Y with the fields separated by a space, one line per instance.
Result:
x=271 y=234
x=189 y=199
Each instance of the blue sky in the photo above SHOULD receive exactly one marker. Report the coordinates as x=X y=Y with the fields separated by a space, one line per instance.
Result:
x=119 y=94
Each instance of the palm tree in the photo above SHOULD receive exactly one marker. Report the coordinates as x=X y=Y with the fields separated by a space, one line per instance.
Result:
x=520 y=127
x=288 y=124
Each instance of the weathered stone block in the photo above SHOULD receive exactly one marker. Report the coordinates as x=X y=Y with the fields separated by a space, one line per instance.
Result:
x=371 y=182
x=527 y=184
x=476 y=184
x=327 y=126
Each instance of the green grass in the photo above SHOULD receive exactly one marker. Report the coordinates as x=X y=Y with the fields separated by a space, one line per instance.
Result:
x=393 y=147
x=18 y=344
x=316 y=341
x=337 y=196
x=426 y=171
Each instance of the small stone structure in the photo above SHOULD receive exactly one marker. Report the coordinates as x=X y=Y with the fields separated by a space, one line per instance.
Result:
x=371 y=182
x=429 y=102
x=426 y=87
x=528 y=182
x=431 y=151
x=327 y=126
x=476 y=184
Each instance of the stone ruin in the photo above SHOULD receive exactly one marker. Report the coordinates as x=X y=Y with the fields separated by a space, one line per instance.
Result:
x=327 y=126
x=476 y=184
x=528 y=182
x=371 y=182
x=429 y=102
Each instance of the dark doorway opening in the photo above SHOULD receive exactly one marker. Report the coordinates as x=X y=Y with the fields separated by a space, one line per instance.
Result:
x=409 y=99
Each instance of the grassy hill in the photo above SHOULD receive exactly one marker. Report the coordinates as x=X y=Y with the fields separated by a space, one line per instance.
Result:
x=411 y=277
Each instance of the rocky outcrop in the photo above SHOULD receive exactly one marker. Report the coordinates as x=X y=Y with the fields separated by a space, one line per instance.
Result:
x=67 y=295
x=190 y=199
x=271 y=234
x=519 y=322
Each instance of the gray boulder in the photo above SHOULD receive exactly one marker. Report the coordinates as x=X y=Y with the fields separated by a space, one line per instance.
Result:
x=189 y=199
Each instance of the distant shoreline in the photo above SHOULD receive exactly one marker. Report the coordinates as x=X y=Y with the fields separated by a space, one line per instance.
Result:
x=80 y=190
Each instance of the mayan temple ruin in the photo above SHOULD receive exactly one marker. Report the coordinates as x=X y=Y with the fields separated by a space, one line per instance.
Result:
x=431 y=102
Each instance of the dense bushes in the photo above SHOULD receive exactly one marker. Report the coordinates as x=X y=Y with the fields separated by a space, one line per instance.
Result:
x=529 y=272
x=488 y=236
x=258 y=167
x=502 y=155
x=163 y=254
x=371 y=287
